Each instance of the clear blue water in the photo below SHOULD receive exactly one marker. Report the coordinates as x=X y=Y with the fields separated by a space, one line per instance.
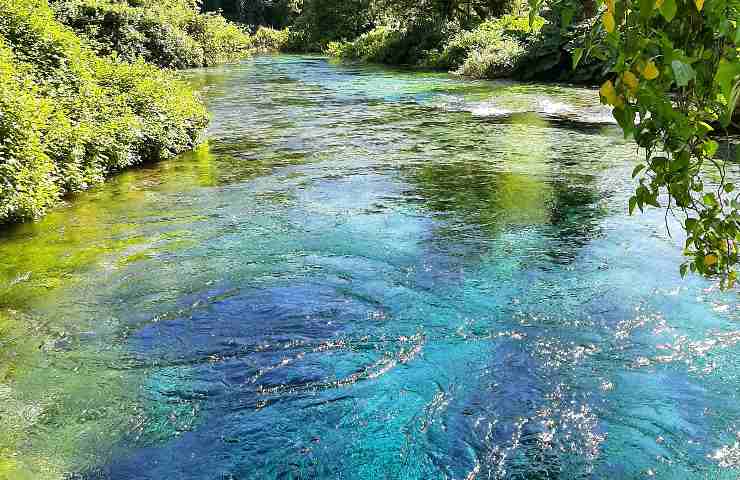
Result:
x=368 y=273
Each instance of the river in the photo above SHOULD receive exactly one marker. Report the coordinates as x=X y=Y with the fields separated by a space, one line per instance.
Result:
x=367 y=273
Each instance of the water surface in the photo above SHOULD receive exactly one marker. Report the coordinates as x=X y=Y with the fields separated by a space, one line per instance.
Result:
x=367 y=273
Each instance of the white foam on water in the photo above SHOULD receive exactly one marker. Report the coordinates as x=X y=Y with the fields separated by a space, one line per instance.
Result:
x=598 y=114
x=489 y=110
x=552 y=107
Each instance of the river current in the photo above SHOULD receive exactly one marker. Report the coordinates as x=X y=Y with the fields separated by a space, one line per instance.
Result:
x=367 y=273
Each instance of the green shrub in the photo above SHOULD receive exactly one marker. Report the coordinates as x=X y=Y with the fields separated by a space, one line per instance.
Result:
x=457 y=49
x=477 y=50
x=499 y=59
x=267 y=39
x=372 y=46
x=299 y=41
x=520 y=27
x=28 y=177
x=69 y=118
x=169 y=33
x=495 y=48
x=409 y=46
x=220 y=40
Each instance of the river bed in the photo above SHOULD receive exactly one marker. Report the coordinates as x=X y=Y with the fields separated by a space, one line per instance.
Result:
x=367 y=273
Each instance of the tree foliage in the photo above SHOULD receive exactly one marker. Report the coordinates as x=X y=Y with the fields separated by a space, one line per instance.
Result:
x=168 y=33
x=276 y=14
x=674 y=87
x=323 y=21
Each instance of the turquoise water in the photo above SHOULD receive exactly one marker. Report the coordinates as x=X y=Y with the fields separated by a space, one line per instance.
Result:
x=368 y=273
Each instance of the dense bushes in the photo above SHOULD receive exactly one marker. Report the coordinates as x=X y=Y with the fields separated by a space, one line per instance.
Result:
x=27 y=172
x=498 y=59
x=396 y=46
x=480 y=38
x=68 y=118
x=220 y=40
x=168 y=33
x=267 y=39
x=492 y=49
x=373 y=46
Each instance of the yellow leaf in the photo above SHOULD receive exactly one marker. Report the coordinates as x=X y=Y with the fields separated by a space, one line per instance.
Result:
x=710 y=260
x=650 y=72
x=699 y=4
x=658 y=3
x=631 y=81
x=608 y=21
x=610 y=94
x=610 y=6
x=607 y=91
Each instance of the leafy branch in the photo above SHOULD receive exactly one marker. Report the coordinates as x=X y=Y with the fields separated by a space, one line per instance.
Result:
x=674 y=88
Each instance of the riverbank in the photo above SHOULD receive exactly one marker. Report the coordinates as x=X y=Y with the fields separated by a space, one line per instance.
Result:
x=510 y=46
x=83 y=92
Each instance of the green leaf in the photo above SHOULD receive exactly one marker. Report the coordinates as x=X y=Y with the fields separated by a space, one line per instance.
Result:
x=705 y=127
x=709 y=148
x=668 y=9
x=637 y=170
x=681 y=162
x=534 y=10
x=682 y=72
x=658 y=163
x=577 y=55
x=691 y=224
x=566 y=17
x=625 y=117
x=646 y=9
x=633 y=204
x=725 y=77
x=732 y=104
x=729 y=187
x=684 y=270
